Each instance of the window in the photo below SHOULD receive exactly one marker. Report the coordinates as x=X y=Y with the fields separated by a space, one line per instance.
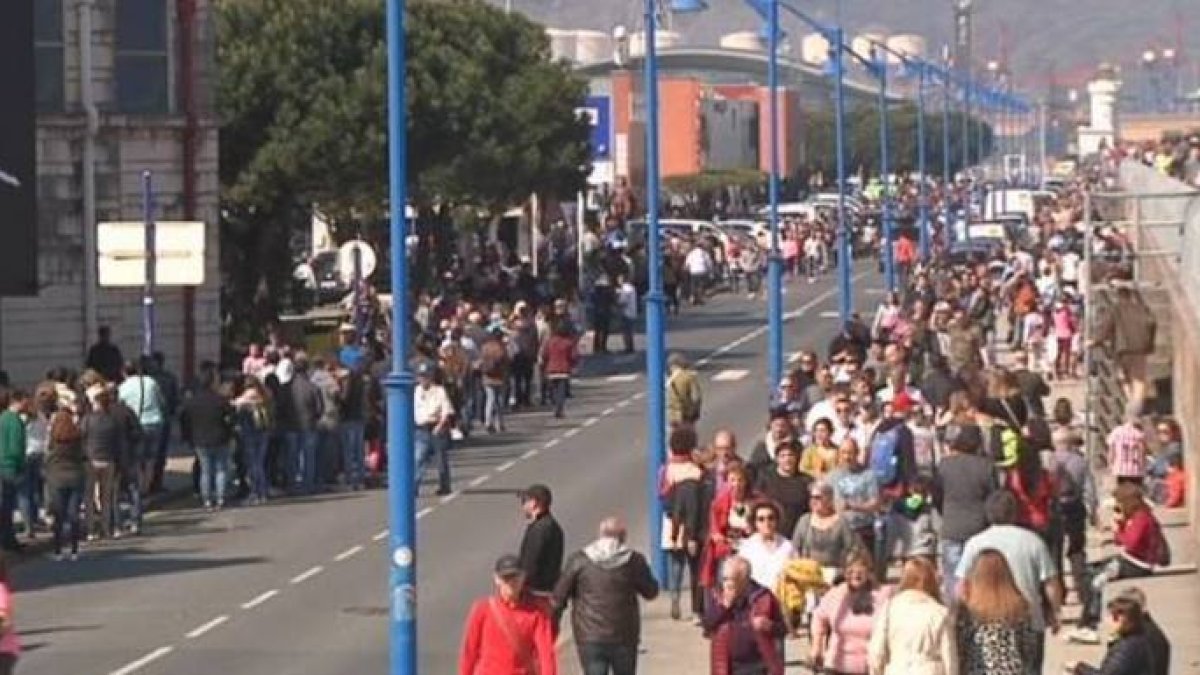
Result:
x=142 y=57
x=48 y=54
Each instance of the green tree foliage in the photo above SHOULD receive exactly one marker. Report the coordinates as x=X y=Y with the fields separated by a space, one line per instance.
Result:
x=302 y=101
x=863 y=142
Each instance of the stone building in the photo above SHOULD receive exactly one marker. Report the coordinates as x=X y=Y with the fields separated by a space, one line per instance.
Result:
x=136 y=96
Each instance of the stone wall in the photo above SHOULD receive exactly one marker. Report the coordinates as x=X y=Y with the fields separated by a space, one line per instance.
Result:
x=49 y=329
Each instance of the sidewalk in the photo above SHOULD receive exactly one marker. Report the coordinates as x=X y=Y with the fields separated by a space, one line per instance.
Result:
x=1173 y=595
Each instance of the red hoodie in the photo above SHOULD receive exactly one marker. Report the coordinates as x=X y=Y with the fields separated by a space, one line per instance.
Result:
x=1140 y=538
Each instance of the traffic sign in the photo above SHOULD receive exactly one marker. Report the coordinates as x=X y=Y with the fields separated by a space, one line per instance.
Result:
x=367 y=260
x=178 y=247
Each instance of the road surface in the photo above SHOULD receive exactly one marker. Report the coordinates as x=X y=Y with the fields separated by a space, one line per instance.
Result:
x=298 y=587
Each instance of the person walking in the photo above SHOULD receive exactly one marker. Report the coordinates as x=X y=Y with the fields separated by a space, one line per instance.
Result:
x=823 y=534
x=1032 y=567
x=559 y=357
x=916 y=634
x=102 y=429
x=510 y=632
x=962 y=483
x=542 y=545
x=767 y=551
x=787 y=486
x=433 y=416
x=995 y=623
x=255 y=423
x=12 y=463
x=10 y=643
x=684 y=395
x=65 y=475
x=602 y=584
x=140 y=393
x=843 y=619
x=744 y=624
x=494 y=367
x=206 y=424
x=685 y=499
x=31 y=498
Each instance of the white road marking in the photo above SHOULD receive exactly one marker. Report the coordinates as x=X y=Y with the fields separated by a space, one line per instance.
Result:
x=348 y=553
x=875 y=291
x=640 y=394
x=628 y=377
x=201 y=630
x=381 y=535
x=608 y=411
x=530 y=453
x=730 y=375
x=506 y=466
x=831 y=314
x=571 y=433
x=703 y=362
x=624 y=403
x=260 y=599
x=307 y=574
x=146 y=660
x=448 y=498
x=424 y=512
x=551 y=443
x=590 y=422
x=480 y=480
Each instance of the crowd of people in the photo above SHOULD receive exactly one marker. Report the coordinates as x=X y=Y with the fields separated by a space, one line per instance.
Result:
x=915 y=501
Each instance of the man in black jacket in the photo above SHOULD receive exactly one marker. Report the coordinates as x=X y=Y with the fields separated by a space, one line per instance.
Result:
x=205 y=425
x=603 y=582
x=542 y=546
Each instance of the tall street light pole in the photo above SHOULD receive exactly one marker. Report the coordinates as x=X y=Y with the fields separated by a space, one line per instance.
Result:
x=879 y=59
x=923 y=186
x=656 y=414
x=774 y=257
x=947 y=184
x=402 y=560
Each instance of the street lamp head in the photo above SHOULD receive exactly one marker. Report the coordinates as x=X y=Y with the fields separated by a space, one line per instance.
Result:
x=688 y=6
x=1149 y=56
x=1168 y=54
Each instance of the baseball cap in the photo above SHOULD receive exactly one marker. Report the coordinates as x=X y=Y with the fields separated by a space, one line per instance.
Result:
x=538 y=492
x=507 y=566
x=902 y=403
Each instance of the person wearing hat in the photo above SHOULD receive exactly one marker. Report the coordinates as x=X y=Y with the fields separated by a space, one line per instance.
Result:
x=684 y=396
x=542 y=545
x=893 y=445
x=509 y=632
x=433 y=415
x=962 y=484
x=350 y=352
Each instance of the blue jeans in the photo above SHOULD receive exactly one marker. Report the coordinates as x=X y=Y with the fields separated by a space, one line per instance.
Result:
x=65 y=501
x=254 y=447
x=302 y=460
x=428 y=445
x=493 y=406
x=214 y=470
x=602 y=659
x=952 y=552
x=33 y=483
x=353 y=451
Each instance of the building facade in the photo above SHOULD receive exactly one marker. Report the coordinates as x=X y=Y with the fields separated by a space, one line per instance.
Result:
x=122 y=87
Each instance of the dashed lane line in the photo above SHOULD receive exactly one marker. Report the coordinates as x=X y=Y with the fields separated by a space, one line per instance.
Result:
x=506 y=466
x=146 y=660
x=551 y=443
x=381 y=535
x=307 y=574
x=260 y=599
x=590 y=422
x=204 y=628
x=628 y=377
x=479 y=480
x=731 y=375
x=348 y=553
x=424 y=512
x=529 y=453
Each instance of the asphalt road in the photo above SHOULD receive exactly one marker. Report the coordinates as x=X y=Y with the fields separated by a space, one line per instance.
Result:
x=298 y=587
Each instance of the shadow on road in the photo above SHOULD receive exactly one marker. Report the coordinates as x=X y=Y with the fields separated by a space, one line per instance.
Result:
x=113 y=564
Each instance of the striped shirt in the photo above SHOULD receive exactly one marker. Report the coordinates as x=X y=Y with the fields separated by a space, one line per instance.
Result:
x=1127 y=451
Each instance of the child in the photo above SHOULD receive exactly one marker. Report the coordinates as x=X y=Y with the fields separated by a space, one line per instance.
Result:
x=1034 y=333
x=627 y=301
x=913 y=522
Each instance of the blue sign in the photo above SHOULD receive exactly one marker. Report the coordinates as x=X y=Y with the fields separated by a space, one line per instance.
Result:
x=599 y=111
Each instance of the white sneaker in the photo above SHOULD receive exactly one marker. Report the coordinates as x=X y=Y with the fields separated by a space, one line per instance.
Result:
x=1087 y=636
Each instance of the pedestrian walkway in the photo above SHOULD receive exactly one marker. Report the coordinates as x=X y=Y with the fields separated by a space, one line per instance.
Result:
x=1173 y=596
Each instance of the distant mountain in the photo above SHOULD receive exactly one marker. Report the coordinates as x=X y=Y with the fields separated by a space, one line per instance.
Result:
x=1066 y=38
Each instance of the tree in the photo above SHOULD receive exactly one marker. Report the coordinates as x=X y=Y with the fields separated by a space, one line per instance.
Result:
x=302 y=101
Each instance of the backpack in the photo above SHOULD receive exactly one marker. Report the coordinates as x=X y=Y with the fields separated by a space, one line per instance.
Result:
x=885 y=455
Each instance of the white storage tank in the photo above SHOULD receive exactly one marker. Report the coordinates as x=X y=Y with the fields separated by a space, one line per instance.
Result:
x=908 y=44
x=746 y=40
x=592 y=46
x=562 y=44
x=814 y=48
x=664 y=39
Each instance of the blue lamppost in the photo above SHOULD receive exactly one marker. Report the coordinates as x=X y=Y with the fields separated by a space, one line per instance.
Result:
x=947 y=185
x=775 y=256
x=914 y=66
x=878 y=67
x=402 y=561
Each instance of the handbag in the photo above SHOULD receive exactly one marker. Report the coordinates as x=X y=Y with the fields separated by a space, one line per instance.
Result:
x=523 y=649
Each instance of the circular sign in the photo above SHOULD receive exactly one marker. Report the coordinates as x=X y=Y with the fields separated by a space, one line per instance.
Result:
x=403 y=556
x=366 y=257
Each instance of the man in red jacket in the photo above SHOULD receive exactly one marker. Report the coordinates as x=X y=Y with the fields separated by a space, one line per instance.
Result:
x=510 y=632
x=1143 y=547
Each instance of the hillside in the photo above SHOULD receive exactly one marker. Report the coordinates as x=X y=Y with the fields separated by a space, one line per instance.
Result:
x=1068 y=37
